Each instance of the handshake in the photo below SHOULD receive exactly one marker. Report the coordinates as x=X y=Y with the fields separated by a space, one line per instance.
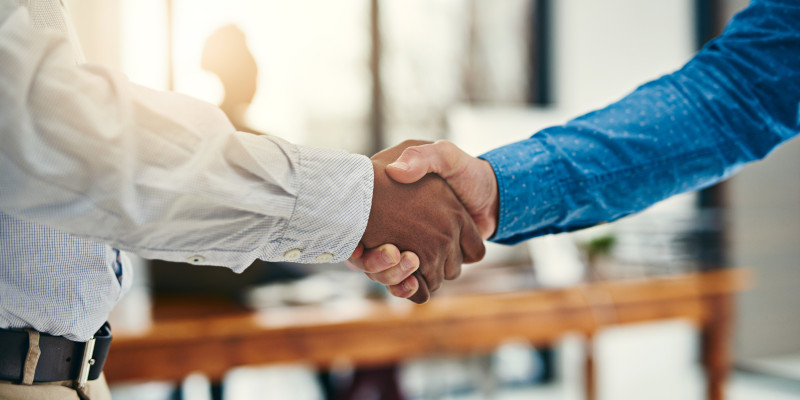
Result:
x=432 y=206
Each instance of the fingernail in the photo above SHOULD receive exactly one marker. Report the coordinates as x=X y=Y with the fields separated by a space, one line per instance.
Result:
x=407 y=264
x=388 y=258
x=400 y=165
x=407 y=286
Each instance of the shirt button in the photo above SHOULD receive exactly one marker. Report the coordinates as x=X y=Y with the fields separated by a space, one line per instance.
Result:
x=293 y=254
x=325 y=258
x=196 y=259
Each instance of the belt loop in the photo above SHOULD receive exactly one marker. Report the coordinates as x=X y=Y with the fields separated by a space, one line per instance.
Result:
x=82 y=392
x=32 y=359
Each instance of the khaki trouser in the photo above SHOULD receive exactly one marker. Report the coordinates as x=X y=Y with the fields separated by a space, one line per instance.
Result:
x=61 y=390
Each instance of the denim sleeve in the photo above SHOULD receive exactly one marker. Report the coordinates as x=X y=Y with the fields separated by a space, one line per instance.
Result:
x=734 y=102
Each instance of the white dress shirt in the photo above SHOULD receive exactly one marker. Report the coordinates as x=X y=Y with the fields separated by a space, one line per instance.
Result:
x=89 y=160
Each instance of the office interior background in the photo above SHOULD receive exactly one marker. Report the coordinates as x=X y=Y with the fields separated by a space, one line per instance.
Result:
x=361 y=75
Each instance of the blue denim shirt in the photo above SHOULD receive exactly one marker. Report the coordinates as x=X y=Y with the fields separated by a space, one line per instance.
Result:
x=734 y=102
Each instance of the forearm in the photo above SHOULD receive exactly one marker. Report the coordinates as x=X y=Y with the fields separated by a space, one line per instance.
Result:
x=732 y=104
x=161 y=174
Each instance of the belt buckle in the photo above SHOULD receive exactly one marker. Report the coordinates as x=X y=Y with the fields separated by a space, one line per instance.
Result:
x=86 y=363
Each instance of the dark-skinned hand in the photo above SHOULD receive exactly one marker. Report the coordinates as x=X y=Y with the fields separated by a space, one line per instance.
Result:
x=425 y=218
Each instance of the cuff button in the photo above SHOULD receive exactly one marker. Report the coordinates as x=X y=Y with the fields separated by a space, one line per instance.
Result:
x=292 y=254
x=196 y=259
x=325 y=258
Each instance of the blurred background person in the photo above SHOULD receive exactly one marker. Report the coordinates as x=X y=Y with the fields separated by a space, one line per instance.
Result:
x=226 y=55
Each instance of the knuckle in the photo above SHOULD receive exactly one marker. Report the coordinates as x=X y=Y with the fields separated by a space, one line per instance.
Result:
x=374 y=263
x=453 y=274
x=413 y=151
x=444 y=144
x=391 y=276
x=456 y=258
x=394 y=277
x=371 y=267
x=435 y=283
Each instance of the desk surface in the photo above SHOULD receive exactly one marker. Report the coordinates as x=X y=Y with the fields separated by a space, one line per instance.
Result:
x=214 y=338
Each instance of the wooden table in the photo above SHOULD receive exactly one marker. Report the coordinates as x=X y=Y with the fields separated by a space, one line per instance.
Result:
x=373 y=333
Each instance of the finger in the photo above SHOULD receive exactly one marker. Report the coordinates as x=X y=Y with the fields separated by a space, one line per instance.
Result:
x=379 y=258
x=358 y=251
x=441 y=158
x=452 y=267
x=434 y=273
x=354 y=264
x=404 y=289
x=472 y=247
x=409 y=263
x=422 y=295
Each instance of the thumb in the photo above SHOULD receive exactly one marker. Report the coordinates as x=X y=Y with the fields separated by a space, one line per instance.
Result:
x=417 y=161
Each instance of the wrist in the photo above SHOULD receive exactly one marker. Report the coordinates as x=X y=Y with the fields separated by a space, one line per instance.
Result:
x=492 y=209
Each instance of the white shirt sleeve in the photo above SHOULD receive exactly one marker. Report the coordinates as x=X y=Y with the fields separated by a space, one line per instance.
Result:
x=160 y=174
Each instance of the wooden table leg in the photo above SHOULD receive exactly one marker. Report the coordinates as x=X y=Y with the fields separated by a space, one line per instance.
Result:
x=589 y=373
x=717 y=343
x=375 y=383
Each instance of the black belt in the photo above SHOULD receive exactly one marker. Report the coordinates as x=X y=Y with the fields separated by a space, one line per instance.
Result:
x=60 y=360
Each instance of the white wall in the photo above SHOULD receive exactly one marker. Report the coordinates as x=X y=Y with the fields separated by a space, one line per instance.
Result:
x=604 y=49
x=97 y=23
x=765 y=238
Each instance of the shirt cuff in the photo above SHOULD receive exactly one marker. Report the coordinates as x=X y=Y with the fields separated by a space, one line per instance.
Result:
x=332 y=206
x=528 y=191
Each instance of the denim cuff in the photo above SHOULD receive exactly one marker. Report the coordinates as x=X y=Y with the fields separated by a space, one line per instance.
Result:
x=528 y=191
